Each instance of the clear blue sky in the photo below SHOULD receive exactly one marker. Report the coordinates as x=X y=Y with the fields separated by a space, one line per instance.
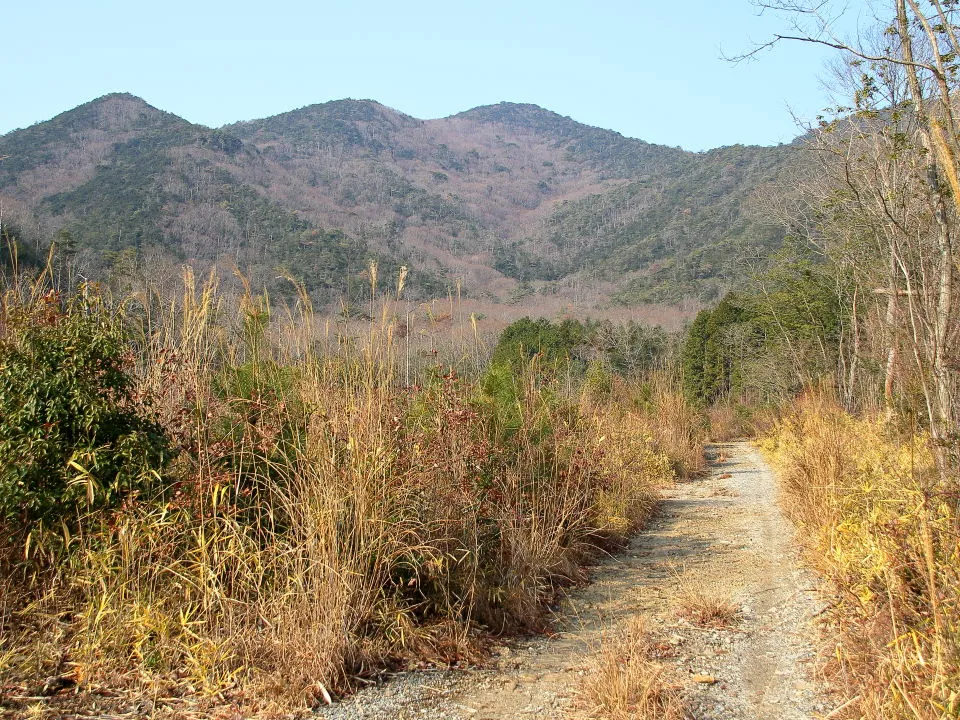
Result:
x=647 y=68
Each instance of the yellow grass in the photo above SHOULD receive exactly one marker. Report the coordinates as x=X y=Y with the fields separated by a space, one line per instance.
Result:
x=882 y=527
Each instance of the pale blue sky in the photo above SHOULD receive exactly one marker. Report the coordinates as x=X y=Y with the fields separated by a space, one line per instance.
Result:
x=648 y=69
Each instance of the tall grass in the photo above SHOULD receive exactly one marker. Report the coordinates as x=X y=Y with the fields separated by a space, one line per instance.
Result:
x=882 y=527
x=325 y=518
x=676 y=428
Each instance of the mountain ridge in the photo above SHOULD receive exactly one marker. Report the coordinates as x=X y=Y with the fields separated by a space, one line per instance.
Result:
x=495 y=199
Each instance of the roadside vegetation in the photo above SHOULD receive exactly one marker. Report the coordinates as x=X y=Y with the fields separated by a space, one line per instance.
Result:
x=883 y=530
x=210 y=498
x=218 y=495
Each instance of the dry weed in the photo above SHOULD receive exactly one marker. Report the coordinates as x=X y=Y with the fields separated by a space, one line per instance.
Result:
x=332 y=509
x=724 y=422
x=624 y=683
x=881 y=527
x=703 y=606
x=676 y=427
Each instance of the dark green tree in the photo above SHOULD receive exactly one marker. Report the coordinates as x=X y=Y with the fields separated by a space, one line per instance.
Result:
x=713 y=354
x=560 y=345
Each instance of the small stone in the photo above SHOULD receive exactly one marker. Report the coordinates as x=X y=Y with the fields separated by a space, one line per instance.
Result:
x=705 y=679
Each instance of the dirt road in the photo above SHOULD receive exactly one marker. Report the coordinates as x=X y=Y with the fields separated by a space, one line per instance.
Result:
x=721 y=536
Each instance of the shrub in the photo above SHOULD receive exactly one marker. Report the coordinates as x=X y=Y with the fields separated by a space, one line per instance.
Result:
x=69 y=431
x=326 y=519
x=559 y=345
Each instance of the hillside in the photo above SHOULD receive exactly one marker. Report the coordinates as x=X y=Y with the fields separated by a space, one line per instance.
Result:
x=506 y=200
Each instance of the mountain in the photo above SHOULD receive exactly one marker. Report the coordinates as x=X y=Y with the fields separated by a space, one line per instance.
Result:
x=510 y=202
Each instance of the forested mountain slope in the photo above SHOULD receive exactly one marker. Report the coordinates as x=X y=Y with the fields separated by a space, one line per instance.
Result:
x=497 y=198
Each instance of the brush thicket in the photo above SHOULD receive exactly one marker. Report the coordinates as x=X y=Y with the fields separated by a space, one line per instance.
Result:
x=324 y=516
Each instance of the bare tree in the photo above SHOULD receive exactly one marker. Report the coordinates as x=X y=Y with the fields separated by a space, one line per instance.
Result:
x=895 y=184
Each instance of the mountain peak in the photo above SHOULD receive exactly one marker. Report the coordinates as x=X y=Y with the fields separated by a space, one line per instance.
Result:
x=119 y=96
x=525 y=115
x=336 y=118
x=116 y=111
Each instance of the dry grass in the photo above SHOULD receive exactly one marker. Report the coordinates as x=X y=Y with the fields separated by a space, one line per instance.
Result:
x=724 y=422
x=882 y=527
x=624 y=683
x=706 y=607
x=677 y=428
x=324 y=518
x=730 y=421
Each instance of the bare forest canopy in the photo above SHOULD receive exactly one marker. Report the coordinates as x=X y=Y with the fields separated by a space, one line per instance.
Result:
x=509 y=203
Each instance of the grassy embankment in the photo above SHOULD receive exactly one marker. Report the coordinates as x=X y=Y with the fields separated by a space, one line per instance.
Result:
x=321 y=517
x=883 y=529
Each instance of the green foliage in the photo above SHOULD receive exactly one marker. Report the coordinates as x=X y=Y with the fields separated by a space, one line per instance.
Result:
x=798 y=299
x=122 y=205
x=598 y=380
x=516 y=261
x=712 y=356
x=500 y=392
x=559 y=345
x=684 y=227
x=588 y=352
x=262 y=412
x=70 y=435
x=224 y=142
x=768 y=342
x=531 y=350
